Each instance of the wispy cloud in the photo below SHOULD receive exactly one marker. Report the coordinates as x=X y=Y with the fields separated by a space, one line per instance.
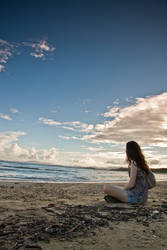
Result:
x=6 y=51
x=14 y=110
x=129 y=99
x=40 y=48
x=53 y=111
x=5 y=117
x=80 y=126
x=96 y=149
x=71 y=125
x=65 y=137
x=116 y=102
x=85 y=105
x=49 y=121
x=87 y=111
x=2 y=67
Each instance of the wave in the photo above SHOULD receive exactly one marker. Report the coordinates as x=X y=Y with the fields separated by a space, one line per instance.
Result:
x=33 y=165
x=13 y=171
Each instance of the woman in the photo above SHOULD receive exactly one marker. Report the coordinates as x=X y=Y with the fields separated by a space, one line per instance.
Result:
x=136 y=191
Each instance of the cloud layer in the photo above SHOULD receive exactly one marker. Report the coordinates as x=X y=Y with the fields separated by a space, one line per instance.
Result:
x=96 y=156
x=92 y=157
x=145 y=121
x=10 y=149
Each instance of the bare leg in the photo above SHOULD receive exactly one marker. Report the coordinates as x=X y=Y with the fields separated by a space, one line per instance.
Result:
x=116 y=192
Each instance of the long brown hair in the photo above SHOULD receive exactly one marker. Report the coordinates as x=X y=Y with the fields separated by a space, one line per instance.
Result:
x=134 y=153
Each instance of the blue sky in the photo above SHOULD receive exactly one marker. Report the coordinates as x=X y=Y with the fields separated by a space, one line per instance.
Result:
x=71 y=75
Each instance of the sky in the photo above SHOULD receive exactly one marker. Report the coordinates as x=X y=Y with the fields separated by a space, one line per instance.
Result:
x=79 y=79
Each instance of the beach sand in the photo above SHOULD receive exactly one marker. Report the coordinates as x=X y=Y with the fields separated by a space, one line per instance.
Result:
x=75 y=216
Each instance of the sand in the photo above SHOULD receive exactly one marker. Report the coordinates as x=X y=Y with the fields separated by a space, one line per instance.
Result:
x=75 y=217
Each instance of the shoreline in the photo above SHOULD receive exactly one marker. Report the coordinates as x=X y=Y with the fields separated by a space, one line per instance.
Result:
x=51 y=216
x=90 y=182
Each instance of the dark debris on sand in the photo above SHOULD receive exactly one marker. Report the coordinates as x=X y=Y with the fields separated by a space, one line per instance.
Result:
x=25 y=232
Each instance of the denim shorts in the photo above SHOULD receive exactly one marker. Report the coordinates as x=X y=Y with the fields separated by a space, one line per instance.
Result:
x=132 y=198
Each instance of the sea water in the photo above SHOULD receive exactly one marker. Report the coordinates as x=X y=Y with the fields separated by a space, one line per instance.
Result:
x=28 y=172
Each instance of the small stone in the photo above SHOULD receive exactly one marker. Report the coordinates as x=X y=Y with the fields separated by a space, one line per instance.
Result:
x=51 y=205
x=145 y=223
x=138 y=219
x=155 y=212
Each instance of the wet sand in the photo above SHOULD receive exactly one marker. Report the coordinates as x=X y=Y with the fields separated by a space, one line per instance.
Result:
x=75 y=217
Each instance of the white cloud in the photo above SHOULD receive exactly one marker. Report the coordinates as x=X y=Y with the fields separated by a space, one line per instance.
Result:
x=8 y=146
x=99 y=159
x=113 y=112
x=5 y=117
x=96 y=149
x=2 y=67
x=87 y=111
x=116 y=102
x=39 y=55
x=14 y=110
x=7 y=138
x=10 y=150
x=129 y=99
x=71 y=138
x=145 y=121
x=54 y=111
x=68 y=128
x=6 y=50
x=96 y=157
x=80 y=126
x=71 y=125
x=64 y=137
x=40 y=48
x=49 y=121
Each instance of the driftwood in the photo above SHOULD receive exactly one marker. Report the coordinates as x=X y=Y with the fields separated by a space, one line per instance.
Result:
x=24 y=232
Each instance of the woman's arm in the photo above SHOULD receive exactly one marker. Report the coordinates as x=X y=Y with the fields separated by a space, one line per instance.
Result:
x=132 y=179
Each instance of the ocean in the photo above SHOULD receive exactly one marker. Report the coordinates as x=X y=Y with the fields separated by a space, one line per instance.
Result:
x=28 y=172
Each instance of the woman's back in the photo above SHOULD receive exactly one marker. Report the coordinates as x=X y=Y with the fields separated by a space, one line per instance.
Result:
x=139 y=192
